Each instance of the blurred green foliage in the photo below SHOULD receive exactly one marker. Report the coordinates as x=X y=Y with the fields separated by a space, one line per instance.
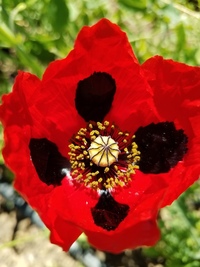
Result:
x=180 y=230
x=34 y=32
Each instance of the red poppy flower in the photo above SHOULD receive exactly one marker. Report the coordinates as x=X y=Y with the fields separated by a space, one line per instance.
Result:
x=101 y=143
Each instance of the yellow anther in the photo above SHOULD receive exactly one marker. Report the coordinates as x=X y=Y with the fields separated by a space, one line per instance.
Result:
x=116 y=180
x=106 y=170
x=115 y=167
x=100 y=126
x=121 y=183
x=94 y=132
x=81 y=133
x=88 y=179
x=95 y=173
x=79 y=176
x=107 y=186
x=84 y=141
x=137 y=158
x=106 y=123
x=81 y=156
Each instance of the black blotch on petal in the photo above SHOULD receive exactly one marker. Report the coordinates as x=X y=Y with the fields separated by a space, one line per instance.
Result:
x=48 y=161
x=94 y=96
x=108 y=213
x=161 y=147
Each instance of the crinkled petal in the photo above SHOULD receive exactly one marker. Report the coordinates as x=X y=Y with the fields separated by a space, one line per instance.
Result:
x=145 y=233
x=176 y=96
x=63 y=233
x=100 y=48
x=175 y=89
x=74 y=204
x=16 y=106
x=144 y=195
x=20 y=123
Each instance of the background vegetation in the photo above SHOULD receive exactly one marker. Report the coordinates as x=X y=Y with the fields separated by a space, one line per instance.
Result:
x=35 y=32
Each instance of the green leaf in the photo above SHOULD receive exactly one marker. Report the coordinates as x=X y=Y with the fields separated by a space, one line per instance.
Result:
x=7 y=36
x=59 y=15
x=134 y=4
x=181 y=37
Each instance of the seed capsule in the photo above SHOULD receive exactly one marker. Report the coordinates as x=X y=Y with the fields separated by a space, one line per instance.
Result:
x=103 y=151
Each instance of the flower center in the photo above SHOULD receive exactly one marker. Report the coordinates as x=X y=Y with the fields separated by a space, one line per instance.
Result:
x=102 y=156
x=103 y=151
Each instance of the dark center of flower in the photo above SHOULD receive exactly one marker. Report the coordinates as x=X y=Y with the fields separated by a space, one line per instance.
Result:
x=102 y=156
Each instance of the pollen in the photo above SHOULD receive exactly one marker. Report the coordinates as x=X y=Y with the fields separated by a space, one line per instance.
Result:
x=103 y=157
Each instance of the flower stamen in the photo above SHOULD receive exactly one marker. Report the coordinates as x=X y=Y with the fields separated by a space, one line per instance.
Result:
x=102 y=156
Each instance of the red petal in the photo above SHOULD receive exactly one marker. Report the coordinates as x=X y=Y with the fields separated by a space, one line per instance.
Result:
x=175 y=89
x=74 y=204
x=63 y=233
x=38 y=194
x=177 y=98
x=100 y=48
x=145 y=233
x=19 y=123
x=15 y=108
x=144 y=196
x=17 y=119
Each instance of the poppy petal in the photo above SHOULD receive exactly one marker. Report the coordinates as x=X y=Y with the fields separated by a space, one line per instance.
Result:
x=173 y=85
x=15 y=110
x=145 y=233
x=64 y=233
x=87 y=58
x=177 y=98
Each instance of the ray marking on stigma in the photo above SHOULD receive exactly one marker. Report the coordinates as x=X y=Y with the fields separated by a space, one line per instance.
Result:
x=103 y=157
x=100 y=154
